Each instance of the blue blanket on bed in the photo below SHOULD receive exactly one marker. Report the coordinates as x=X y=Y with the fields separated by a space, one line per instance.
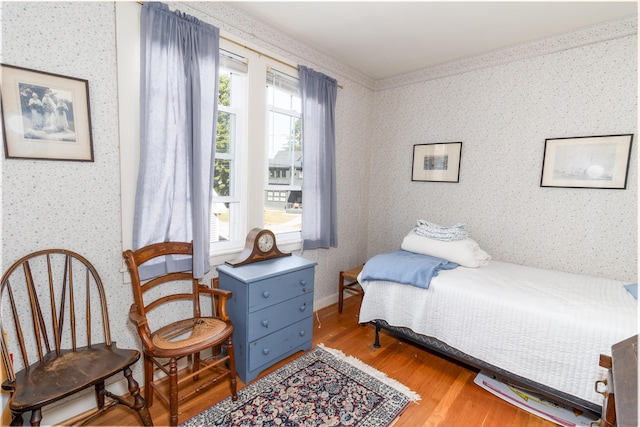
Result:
x=405 y=267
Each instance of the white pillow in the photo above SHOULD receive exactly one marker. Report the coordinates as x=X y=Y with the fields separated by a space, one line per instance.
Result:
x=465 y=252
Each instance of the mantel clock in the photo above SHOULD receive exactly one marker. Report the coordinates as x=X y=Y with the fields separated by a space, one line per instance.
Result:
x=260 y=245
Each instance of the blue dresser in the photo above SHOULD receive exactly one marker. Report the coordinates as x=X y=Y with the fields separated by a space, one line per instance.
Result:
x=271 y=310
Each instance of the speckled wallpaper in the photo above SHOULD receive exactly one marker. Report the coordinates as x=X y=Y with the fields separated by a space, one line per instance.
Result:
x=502 y=111
x=502 y=115
x=71 y=205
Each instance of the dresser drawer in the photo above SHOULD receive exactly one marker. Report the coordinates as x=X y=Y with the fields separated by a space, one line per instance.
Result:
x=272 y=346
x=265 y=293
x=270 y=319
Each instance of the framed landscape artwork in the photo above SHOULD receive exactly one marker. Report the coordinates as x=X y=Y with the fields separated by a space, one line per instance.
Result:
x=45 y=116
x=439 y=162
x=587 y=162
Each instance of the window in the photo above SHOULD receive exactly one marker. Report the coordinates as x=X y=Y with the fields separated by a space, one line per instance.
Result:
x=256 y=183
x=242 y=179
x=283 y=213
x=226 y=210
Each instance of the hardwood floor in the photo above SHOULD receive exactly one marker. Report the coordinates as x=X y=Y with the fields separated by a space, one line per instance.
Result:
x=449 y=396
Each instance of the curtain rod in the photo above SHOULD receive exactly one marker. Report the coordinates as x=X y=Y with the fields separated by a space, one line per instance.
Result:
x=266 y=55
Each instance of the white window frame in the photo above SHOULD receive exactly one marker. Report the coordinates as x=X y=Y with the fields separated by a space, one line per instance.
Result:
x=251 y=155
x=237 y=209
x=293 y=236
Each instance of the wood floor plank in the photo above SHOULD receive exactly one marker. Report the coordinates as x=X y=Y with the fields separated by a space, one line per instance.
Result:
x=441 y=411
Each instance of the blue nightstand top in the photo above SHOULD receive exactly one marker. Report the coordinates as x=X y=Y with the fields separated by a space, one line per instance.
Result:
x=265 y=269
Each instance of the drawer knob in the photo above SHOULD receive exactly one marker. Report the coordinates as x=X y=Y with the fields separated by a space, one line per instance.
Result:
x=303 y=307
x=265 y=351
x=265 y=294
x=265 y=323
x=302 y=332
x=303 y=282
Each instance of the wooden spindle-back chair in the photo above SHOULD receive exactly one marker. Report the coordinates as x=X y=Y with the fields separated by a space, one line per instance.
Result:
x=56 y=339
x=169 y=334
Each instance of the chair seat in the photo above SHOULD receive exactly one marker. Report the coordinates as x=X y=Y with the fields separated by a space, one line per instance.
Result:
x=199 y=332
x=57 y=377
x=352 y=274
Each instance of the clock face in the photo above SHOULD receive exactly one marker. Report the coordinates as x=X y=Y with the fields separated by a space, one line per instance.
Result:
x=265 y=242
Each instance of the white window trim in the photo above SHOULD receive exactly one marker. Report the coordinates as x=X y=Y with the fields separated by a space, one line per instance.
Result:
x=222 y=249
x=128 y=58
x=256 y=160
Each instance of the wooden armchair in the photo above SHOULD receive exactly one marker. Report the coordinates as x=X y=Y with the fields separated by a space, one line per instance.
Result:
x=167 y=315
x=56 y=336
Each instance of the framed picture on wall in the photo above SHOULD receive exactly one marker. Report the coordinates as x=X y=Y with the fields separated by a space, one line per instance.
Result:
x=439 y=162
x=587 y=162
x=45 y=116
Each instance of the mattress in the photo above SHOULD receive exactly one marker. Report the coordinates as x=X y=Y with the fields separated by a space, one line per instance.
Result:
x=547 y=326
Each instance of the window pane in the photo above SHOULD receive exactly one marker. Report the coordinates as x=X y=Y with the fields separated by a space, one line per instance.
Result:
x=219 y=222
x=224 y=137
x=282 y=221
x=222 y=177
x=224 y=88
x=285 y=150
x=233 y=68
x=283 y=195
x=226 y=204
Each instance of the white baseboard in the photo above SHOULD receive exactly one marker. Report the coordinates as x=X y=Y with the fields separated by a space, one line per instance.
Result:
x=325 y=302
x=331 y=299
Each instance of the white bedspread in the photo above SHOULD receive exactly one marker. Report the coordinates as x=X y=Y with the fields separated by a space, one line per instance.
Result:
x=550 y=327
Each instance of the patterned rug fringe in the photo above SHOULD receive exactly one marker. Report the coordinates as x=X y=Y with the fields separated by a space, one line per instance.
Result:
x=380 y=376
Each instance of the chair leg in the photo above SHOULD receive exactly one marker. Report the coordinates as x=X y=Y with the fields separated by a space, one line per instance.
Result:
x=100 y=394
x=340 y=288
x=196 y=365
x=232 y=370
x=16 y=418
x=148 y=379
x=173 y=391
x=36 y=417
x=138 y=402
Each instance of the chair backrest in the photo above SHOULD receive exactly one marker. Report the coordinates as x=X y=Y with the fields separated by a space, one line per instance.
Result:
x=51 y=300
x=164 y=289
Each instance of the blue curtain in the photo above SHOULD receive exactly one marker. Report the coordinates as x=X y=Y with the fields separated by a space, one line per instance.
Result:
x=319 y=207
x=178 y=116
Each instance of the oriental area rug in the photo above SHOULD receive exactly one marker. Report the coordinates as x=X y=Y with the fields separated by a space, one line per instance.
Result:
x=323 y=387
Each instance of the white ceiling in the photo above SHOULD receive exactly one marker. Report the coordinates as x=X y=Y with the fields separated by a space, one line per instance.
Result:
x=384 y=39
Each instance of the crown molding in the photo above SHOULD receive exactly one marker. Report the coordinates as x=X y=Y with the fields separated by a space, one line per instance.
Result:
x=588 y=35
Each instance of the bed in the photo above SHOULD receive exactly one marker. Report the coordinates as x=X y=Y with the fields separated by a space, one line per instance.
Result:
x=539 y=329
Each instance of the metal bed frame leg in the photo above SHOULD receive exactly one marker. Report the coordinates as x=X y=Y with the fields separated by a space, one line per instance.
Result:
x=376 y=344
